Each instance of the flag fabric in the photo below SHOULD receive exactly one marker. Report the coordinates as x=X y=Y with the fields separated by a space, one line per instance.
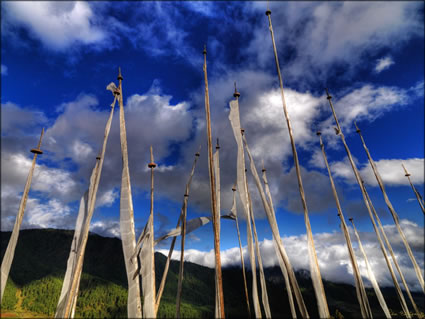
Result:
x=282 y=257
x=128 y=237
x=372 y=277
x=243 y=195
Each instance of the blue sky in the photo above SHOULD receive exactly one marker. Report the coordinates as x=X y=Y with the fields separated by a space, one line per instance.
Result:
x=57 y=58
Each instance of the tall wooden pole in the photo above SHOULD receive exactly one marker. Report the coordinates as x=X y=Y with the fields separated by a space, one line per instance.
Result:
x=387 y=242
x=264 y=295
x=361 y=292
x=10 y=250
x=371 y=275
x=418 y=196
x=392 y=211
x=314 y=265
x=362 y=189
x=70 y=301
x=147 y=255
x=213 y=194
x=282 y=257
x=240 y=250
x=128 y=236
x=173 y=242
x=234 y=119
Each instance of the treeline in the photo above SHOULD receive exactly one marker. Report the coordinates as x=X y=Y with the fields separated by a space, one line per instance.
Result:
x=40 y=262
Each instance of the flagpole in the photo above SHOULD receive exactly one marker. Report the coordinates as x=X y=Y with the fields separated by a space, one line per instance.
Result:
x=283 y=259
x=67 y=309
x=314 y=264
x=147 y=255
x=418 y=196
x=264 y=295
x=371 y=275
x=361 y=292
x=240 y=250
x=219 y=281
x=387 y=242
x=128 y=237
x=362 y=189
x=183 y=210
x=10 y=250
x=234 y=119
x=392 y=210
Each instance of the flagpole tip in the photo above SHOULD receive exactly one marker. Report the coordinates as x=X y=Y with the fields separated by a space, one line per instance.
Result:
x=218 y=145
x=205 y=49
x=36 y=151
x=318 y=133
x=268 y=12
x=152 y=165
x=119 y=74
x=350 y=219
x=357 y=128
x=236 y=94
x=327 y=93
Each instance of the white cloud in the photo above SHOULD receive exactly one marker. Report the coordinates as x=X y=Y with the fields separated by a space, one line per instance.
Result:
x=317 y=159
x=15 y=118
x=325 y=37
x=58 y=25
x=383 y=64
x=47 y=215
x=73 y=139
x=107 y=198
x=332 y=254
x=3 y=69
x=108 y=228
x=390 y=170
x=364 y=104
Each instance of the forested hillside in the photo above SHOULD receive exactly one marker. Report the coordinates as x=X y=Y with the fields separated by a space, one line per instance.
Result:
x=39 y=265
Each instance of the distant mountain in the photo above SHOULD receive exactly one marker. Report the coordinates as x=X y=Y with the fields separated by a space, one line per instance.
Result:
x=39 y=265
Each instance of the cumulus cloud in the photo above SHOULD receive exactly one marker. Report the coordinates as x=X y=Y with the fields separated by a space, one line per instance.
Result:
x=383 y=64
x=316 y=40
x=58 y=25
x=390 y=170
x=107 y=198
x=107 y=227
x=73 y=140
x=332 y=254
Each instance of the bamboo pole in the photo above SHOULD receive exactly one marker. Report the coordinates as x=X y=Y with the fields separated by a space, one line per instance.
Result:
x=284 y=263
x=264 y=295
x=219 y=281
x=362 y=189
x=216 y=162
x=371 y=275
x=418 y=196
x=314 y=264
x=10 y=250
x=76 y=249
x=128 y=237
x=360 y=289
x=240 y=250
x=387 y=242
x=392 y=211
x=170 y=252
x=71 y=298
x=147 y=255
x=181 y=268
x=243 y=195
x=282 y=257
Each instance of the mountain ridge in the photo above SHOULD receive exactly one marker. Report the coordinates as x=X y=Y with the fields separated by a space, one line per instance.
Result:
x=40 y=263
